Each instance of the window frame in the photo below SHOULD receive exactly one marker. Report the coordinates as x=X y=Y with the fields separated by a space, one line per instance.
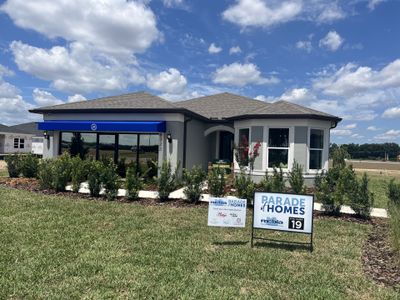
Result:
x=16 y=143
x=288 y=148
x=323 y=150
x=21 y=143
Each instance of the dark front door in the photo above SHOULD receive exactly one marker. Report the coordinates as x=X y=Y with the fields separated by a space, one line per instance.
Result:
x=226 y=145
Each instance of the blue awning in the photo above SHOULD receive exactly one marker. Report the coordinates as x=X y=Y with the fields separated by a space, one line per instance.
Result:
x=101 y=126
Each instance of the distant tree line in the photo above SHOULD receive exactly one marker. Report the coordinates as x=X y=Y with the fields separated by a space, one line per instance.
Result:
x=386 y=151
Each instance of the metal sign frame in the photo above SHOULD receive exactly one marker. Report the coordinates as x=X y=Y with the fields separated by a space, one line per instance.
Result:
x=311 y=245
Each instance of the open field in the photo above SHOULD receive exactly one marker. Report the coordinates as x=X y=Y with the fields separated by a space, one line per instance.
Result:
x=59 y=247
x=375 y=165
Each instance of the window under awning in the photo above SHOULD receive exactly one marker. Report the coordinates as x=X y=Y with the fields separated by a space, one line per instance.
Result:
x=104 y=126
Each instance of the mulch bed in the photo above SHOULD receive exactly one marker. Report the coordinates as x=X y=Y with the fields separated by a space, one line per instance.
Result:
x=379 y=261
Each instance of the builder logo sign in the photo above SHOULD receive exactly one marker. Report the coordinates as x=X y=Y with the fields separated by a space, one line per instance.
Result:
x=93 y=127
x=227 y=212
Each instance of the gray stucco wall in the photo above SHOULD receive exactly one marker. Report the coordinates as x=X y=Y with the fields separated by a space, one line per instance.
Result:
x=197 y=145
x=300 y=145
x=257 y=136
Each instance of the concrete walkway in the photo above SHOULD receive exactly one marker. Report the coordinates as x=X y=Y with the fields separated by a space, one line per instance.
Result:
x=178 y=194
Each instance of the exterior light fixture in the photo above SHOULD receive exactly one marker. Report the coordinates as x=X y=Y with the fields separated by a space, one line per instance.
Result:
x=46 y=135
x=169 y=137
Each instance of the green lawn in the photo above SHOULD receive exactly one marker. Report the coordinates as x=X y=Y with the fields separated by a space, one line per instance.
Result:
x=58 y=247
x=3 y=173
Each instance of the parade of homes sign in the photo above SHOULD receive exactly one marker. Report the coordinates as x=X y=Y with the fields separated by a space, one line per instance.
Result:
x=227 y=212
x=283 y=212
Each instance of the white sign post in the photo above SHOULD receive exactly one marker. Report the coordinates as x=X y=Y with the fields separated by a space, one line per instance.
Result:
x=227 y=212
x=283 y=212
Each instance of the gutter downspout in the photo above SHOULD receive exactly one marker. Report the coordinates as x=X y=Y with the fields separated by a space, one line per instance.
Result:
x=185 y=142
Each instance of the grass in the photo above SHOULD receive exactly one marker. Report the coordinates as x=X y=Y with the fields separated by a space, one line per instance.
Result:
x=59 y=247
x=3 y=173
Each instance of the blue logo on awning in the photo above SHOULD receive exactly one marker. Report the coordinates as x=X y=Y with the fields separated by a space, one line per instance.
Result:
x=93 y=127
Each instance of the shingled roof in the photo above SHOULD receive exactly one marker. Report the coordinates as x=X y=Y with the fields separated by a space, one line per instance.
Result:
x=30 y=128
x=222 y=106
x=8 y=129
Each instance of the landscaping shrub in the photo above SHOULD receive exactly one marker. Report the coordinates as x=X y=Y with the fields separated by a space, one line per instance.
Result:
x=265 y=184
x=193 y=181
x=133 y=183
x=61 y=172
x=121 y=167
x=29 y=165
x=94 y=177
x=363 y=200
x=216 y=182
x=245 y=187
x=167 y=182
x=277 y=181
x=45 y=174
x=339 y=156
x=79 y=172
x=393 y=193
x=13 y=165
x=110 y=180
x=296 y=179
x=152 y=169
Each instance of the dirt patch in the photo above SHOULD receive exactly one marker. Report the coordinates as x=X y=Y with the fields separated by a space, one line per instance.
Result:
x=342 y=217
x=379 y=260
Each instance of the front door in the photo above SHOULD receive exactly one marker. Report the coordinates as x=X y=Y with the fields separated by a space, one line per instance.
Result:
x=226 y=145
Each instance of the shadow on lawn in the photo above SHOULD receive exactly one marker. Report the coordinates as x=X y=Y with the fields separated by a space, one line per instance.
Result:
x=231 y=243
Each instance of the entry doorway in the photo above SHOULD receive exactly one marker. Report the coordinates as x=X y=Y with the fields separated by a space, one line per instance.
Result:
x=225 y=146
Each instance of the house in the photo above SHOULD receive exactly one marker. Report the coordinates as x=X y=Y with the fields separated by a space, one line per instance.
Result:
x=139 y=127
x=37 y=136
x=13 y=140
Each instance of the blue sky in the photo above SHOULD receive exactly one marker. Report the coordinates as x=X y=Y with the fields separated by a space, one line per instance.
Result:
x=341 y=57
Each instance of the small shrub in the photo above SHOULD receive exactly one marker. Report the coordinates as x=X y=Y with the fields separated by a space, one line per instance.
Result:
x=29 y=165
x=363 y=199
x=167 y=182
x=266 y=183
x=193 y=181
x=152 y=169
x=216 y=182
x=45 y=174
x=79 y=172
x=121 y=167
x=393 y=193
x=94 y=177
x=62 y=172
x=296 y=178
x=277 y=181
x=110 y=180
x=339 y=156
x=13 y=165
x=133 y=183
x=245 y=187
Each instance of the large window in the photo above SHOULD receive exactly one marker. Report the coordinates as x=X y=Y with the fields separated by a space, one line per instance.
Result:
x=107 y=146
x=242 y=155
x=127 y=147
x=19 y=143
x=316 y=149
x=278 y=147
x=66 y=142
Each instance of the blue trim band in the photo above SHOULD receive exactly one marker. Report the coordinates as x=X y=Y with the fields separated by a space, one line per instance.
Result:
x=100 y=126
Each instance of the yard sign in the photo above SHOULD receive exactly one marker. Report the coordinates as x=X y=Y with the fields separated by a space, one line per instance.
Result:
x=227 y=212
x=283 y=212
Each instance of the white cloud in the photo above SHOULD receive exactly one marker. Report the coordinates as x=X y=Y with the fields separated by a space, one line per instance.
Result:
x=350 y=126
x=76 y=98
x=213 y=49
x=246 y=13
x=341 y=132
x=235 y=50
x=265 y=98
x=351 y=79
x=171 y=81
x=237 y=74
x=372 y=4
x=297 y=95
x=76 y=68
x=111 y=26
x=45 y=98
x=304 y=45
x=393 y=112
x=332 y=41
x=329 y=12
x=390 y=135
x=175 y=4
x=372 y=128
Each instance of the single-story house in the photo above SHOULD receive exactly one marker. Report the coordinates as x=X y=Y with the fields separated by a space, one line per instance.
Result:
x=37 y=136
x=13 y=140
x=139 y=126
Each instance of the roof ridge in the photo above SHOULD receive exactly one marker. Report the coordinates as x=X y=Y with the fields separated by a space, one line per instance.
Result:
x=304 y=109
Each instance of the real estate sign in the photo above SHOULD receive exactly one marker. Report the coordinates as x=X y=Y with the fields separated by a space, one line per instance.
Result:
x=285 y=212
x=227 y=212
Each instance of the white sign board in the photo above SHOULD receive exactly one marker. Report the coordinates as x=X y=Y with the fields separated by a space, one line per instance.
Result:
x=285 y=212
x=227 y=212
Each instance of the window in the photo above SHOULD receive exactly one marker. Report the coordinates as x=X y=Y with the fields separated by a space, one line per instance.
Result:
x=242 y=155
x=316 y=149
x=16 y=143
x=21 y=143
x=278 y=147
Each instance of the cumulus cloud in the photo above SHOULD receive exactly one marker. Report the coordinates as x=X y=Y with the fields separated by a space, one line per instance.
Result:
x=45 y=98
x=174 y=3
x=350 y=126
x=341 y=132
x=393 y=112
x=332 y=41
x=213 y=49
x=297 y=95
x=76 y=98
x=76 y=68
x=235 y=50
x=372 y=128
x=390 y=135
x=304 y=45
x=237 y=74
x=372 y=4
x=111 y=26
x=170 y=81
